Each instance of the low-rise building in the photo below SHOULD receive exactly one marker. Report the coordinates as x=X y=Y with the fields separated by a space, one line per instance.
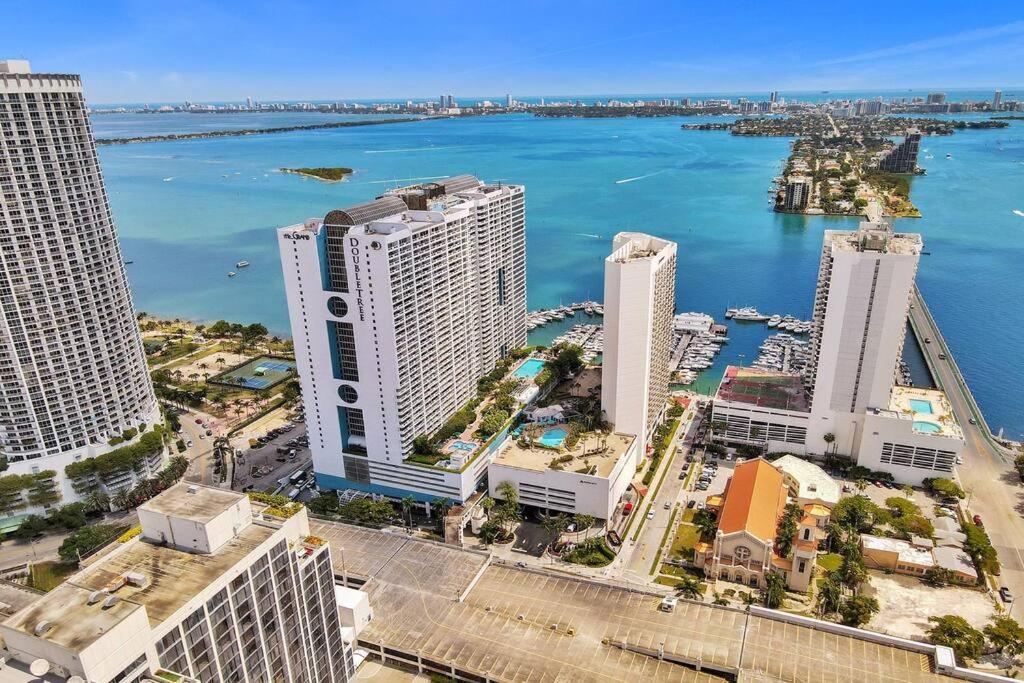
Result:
x=807 y=482
x=755 y=406
x=214 y=589
x=916 y=557
x=587 y=478
x=749 y=513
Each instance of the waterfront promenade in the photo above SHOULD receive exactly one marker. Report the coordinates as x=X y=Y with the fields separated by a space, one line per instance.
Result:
x=994 y=488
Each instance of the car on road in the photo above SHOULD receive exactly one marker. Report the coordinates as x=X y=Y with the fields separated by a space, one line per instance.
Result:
x=689 y=506
x=202 y=437
x=1005 y=595
x=188 y=443
x=209 y=432
x=199 y=420
x=650 y=513
x=972 y=420
x=927 y=340
x=942 y=356
x=977 y=520
x=521 y=564
x=667 y=505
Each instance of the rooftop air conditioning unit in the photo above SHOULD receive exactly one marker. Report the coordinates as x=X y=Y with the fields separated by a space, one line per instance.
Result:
x=95 y=597
x=42 y=627
x=110 y=601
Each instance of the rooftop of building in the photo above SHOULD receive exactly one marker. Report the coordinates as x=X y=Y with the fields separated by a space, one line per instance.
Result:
x=514 y=624
x=755 y=498
x=929 y=409
x=763 y=388
x=955 y=560
x=812 y=481
x=171 y=578
x=634 y=246
x=878 y=237
x=190 y=501
x=595 y=453
x=907 y=552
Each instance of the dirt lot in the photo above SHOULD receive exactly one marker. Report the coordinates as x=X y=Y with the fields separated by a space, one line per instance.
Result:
x=907 y=603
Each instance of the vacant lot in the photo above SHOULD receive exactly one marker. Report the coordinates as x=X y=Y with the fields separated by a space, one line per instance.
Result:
x=907 y=603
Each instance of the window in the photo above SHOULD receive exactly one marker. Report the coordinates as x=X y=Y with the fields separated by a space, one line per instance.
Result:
x=348 y=394
x=337 y=306
x=742 y=552
x=801 y=567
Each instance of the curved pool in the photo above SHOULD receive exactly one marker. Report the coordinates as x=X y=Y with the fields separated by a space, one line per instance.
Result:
x=926 y=427
x=554 y=437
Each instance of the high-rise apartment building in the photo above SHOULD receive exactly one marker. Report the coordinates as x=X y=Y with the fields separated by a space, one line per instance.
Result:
x=936 y=98
x=865 y=282
x=639 y=300
x=863 y=297
x=214 y=589
x=72 y=368
x=903 y=157
x=398 y=306
x=997 y=100
x=798 y=193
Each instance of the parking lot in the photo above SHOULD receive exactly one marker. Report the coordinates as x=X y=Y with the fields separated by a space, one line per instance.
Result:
x=535 y=626
x=717 y=484
x=263 y=467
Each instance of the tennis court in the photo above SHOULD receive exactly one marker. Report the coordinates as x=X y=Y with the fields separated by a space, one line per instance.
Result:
x=257 y=374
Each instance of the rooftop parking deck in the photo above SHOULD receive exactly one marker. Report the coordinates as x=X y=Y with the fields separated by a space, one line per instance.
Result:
x=520 y=625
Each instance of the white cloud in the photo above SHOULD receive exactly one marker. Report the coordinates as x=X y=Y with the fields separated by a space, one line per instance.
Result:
x=937 y=43
x=130 y=75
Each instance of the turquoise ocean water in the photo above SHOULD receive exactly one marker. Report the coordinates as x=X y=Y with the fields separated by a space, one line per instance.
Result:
x=188 y=211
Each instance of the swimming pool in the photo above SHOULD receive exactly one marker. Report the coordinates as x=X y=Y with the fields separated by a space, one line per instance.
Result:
x=919 y=405
x=554 y=437
x=462 y=446
x=530 y=368
x=926 y=427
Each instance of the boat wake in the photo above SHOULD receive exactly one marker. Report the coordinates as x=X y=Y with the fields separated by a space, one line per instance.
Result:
x=168 y=179
x=1019 y=212
x=639 y=177
x=587 y=234
x=407 y=149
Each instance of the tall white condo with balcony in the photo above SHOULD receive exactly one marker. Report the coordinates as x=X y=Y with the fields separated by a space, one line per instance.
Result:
x=398 y=307
x=72 y=369
x=639 y=298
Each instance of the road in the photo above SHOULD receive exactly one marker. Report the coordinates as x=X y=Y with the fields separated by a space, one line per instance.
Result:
x=637 y=565
x=987 y=474
x=199 y=454
x=268 y=456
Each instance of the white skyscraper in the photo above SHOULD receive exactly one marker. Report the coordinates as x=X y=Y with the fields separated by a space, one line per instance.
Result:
x=215 y=589
x=997 y=100
x=398 y=307
x=639 y=298
x=72 y=369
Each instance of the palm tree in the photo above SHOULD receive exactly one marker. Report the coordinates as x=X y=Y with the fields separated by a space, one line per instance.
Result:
x=123 y=499
x=583 y=522
x=706 y=523
x=861 y=485
x=442 y=506
x=97 y=501
x=487 y=504
x=829 y=595
x=774 y=593
x=408 y=503
x=829 y=439
x=555 y=525
x=689 y=587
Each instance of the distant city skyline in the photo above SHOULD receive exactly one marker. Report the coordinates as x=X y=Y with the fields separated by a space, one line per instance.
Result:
x=204 y=51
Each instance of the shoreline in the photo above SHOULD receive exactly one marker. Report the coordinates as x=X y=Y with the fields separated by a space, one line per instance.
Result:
x=306 y=174
x=176 y=137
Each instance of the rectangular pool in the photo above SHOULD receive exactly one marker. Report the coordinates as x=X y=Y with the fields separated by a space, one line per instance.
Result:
x=919 y=405
x=530 y=368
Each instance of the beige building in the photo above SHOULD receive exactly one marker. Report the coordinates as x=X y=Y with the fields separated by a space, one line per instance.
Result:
x=915 y=557
x=214 y=589
x=749 y=512
x=639 y=298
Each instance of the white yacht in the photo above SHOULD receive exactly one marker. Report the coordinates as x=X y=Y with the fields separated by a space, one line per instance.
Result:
x=749 y=313
x=242 y=264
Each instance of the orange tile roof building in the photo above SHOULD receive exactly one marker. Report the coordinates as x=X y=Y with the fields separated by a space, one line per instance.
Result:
x=749 y=512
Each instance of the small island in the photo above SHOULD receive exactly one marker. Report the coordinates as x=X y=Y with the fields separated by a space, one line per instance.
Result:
x=331 y=174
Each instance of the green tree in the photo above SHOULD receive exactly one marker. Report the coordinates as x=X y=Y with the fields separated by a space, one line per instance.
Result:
x=954 y=632
x=421 y=445
x=81 y=541
x=583 y=522
x=30 y=526
x=938 y=577
x=1006 y=635
x=719 y=599
x=324 y=504
x=706 y=522
x=441 y=508
x=774 y=592
x=492 y=422
x=97 y=502
x=408 y=504
x=944 y=487
x=858 y=610
x=1018 y=463
x=123 y=499
x=829 y=440
x=856 y=513
x=830 y=595
x=555 y=525
x=71 y=516
x=689 y=587
x=852 y=571
x=787 y=529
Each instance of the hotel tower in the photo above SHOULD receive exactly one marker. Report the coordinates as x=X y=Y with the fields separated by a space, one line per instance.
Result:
x=398 y=306
x=639 y=298
x=72 y=369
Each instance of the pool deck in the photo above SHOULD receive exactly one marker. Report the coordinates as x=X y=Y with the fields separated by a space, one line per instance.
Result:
x=588 y=451
x=904 y=400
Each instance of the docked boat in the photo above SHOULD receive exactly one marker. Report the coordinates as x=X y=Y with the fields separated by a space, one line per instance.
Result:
x=749 y=313
x=774 y=320
x=232 y=274
x=242 y=264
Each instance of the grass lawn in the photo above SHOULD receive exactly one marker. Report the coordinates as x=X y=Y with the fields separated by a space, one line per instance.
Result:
x=46 y=576
x=830 y=561
x=687 y=537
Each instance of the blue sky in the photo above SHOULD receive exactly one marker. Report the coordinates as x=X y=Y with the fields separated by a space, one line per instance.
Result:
x=137 y=51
